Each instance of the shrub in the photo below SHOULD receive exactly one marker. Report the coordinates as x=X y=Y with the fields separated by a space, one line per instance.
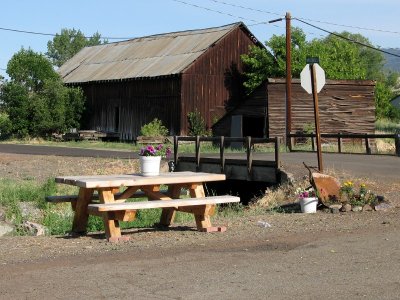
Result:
x=153 y=129
x=5 y=125
x=197 y=126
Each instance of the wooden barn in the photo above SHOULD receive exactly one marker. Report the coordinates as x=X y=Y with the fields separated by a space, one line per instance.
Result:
x=127 y=84
x=345 y=106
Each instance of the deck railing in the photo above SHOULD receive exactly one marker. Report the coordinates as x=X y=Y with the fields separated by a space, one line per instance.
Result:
x=340 y=136
x=248 y=143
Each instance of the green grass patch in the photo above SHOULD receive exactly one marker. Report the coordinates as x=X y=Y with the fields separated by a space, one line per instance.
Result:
x=387 y=126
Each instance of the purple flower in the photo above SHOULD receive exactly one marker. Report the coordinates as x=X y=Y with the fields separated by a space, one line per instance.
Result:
x=159 y=150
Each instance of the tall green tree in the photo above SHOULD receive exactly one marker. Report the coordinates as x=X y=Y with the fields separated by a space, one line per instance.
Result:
x=68 y=43
x=340 y=58
x=35 y=99
x=29 y=69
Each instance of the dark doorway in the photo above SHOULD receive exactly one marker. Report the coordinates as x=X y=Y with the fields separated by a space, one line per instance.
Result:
x=253 y=126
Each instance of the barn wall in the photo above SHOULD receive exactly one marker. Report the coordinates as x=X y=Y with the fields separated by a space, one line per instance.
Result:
x=344 y=106
x=134 y=103
x=214 y=82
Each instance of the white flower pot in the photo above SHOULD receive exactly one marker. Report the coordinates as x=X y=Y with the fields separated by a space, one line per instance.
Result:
x=150 y=165
x=308 y=205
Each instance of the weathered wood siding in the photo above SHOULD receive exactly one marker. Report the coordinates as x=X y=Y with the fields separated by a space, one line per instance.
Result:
x=344 y=106
x=134 y=103
x=214 y=81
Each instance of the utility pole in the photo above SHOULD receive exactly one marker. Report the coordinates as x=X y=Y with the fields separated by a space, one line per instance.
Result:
x=288 y=18
x=288 y=105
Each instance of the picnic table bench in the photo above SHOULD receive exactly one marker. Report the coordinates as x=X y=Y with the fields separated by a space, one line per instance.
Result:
x=111 y=202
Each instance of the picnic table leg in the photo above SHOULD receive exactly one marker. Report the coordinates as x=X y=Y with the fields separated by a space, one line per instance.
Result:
x=203 y=221
x=81 y=215
x=112 y=229
x=168 y=214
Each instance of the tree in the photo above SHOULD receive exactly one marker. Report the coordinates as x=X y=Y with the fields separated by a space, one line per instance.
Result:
x=35 y=98
x=339 y=58
x=69 y=42
x=29 y=69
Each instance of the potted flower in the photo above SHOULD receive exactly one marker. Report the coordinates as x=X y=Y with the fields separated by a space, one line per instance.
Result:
x=308 y=200
x=150 y=159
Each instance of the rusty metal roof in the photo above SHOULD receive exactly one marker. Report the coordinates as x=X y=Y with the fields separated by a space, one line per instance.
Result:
x=150 y=56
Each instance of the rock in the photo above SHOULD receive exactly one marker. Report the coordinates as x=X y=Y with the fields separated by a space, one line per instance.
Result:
x=384 y=206
x=30 y=211
x=2 y=215
x=338 y=206
x=286 y=177
x=334 y=210
x=367 y=207
x=356 y=208
x=5 y=229
x=345 y=208
x=34 y=228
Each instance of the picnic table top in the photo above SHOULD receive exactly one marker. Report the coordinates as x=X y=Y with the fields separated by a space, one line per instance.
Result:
x=102 y=181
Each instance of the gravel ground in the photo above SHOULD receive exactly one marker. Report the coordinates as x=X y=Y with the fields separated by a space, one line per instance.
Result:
x=307 y=256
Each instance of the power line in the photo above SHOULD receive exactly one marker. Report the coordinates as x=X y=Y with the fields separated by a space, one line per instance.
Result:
x=53 y=34
x=248 y=8
x=255 y=22
x=216 y=11
x=348 y=39
x=350 y=26
x=305 y=19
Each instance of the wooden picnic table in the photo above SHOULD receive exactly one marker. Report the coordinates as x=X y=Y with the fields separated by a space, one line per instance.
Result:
x=113 y=190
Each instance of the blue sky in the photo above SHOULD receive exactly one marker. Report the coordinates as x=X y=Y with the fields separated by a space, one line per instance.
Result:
x=134 y=18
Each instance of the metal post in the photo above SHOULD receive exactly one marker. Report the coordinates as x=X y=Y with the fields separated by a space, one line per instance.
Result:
x=316 y=116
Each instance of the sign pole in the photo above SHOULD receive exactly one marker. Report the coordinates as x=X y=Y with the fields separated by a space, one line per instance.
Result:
x=316 y=115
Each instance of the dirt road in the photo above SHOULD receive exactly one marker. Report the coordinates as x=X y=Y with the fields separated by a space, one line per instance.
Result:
x=302 y=256
x=322 y=256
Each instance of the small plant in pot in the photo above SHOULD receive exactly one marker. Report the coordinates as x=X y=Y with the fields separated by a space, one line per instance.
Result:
x=150 y=159
x=308 y=199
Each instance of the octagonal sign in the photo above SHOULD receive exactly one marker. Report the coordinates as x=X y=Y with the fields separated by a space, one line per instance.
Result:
x=305 y=78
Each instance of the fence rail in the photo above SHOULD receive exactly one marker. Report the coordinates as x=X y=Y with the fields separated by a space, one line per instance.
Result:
x=223 y=141
x=341 y=136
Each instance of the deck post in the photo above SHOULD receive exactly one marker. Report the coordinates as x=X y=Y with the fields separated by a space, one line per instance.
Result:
x=277 y=162
x=249 y=154
x=222 y=153
x=397 y=143
x=176 y=150
x=197 y=153
x=367 y=147
x=339 y=140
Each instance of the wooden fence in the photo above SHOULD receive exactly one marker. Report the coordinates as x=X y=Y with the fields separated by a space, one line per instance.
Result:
x=248 y=143
x=340 y=136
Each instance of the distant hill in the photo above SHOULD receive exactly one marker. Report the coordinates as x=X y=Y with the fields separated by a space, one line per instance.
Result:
x=392 y=62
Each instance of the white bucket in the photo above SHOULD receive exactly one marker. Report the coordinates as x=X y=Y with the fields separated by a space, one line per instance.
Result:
x=150 y=165
x=308 y=205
